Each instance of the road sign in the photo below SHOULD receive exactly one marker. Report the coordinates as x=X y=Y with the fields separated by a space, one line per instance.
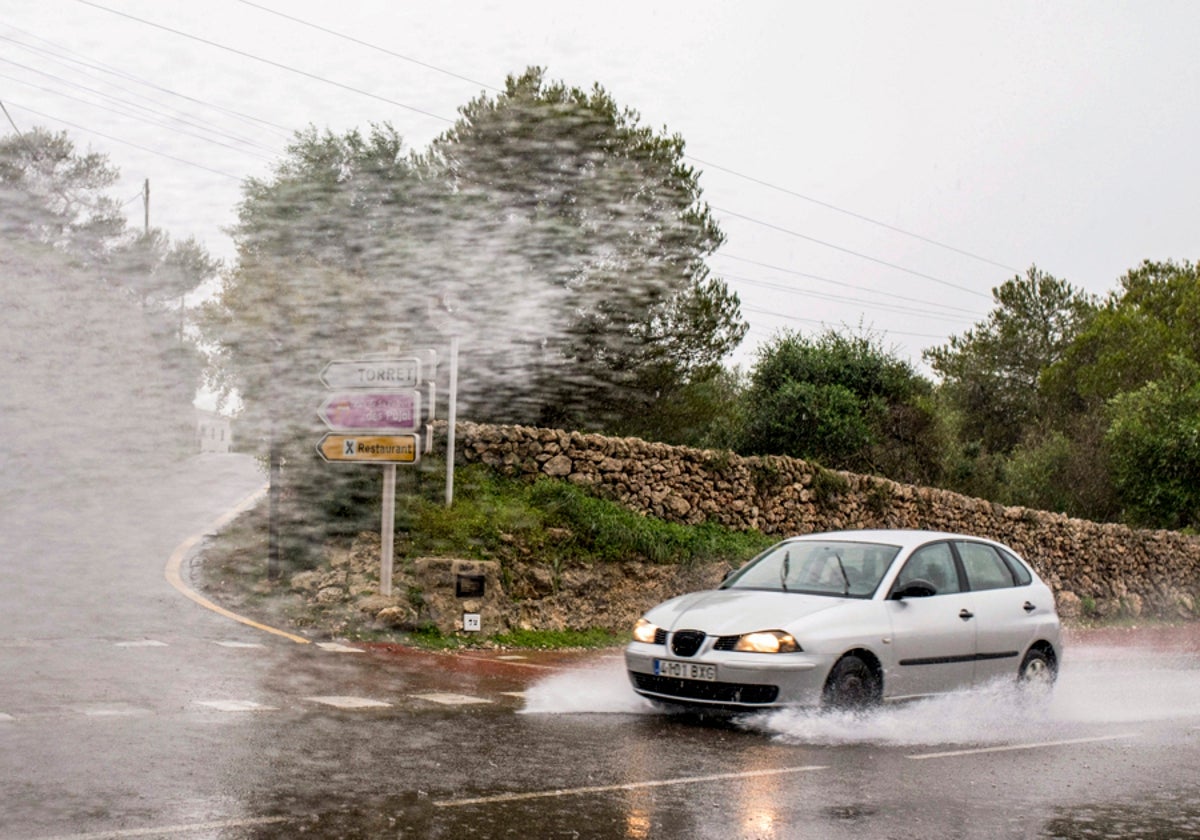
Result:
x=356 y=410
x=400 y=372
x=370 y=449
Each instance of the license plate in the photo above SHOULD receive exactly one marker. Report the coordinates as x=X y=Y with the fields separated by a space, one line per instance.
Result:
x=685 y=670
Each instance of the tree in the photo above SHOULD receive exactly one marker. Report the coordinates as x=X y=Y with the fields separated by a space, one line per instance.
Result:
x=564 y=242
x=844 y=402
x=1154 y=440
x=1152 y=317
x=54 y=213
x=53 y=195
x=611 y=229
x=991 y=373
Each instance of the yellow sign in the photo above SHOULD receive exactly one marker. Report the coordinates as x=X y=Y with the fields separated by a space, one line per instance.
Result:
x=370 y=449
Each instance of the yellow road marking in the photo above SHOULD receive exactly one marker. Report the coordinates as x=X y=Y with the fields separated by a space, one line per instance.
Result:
x=175 y=564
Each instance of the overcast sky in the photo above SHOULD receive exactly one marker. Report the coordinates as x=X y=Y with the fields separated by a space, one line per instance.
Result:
x=1011 y=133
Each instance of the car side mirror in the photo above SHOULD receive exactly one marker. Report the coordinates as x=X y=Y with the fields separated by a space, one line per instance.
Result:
x=916 y=588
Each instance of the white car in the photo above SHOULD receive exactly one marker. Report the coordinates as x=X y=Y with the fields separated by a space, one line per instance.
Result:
x=849 y=619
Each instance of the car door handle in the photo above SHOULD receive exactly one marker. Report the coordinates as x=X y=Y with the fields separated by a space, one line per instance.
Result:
x=1029 y=607
x=966 y=614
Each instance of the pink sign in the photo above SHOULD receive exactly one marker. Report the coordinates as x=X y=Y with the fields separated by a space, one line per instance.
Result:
x=353 y=410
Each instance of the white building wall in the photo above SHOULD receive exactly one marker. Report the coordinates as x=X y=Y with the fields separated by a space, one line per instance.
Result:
x=214 y=432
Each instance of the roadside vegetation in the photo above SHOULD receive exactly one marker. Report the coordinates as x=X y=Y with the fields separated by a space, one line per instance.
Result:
x=512 y=521
x=571 y=243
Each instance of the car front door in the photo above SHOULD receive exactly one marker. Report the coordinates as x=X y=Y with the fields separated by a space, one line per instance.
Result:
x=933 y=638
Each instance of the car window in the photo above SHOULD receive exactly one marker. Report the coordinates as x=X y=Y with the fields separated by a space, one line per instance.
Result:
x=846 y=569
x=1018 y=568
x=985 y=567
x=933 y=563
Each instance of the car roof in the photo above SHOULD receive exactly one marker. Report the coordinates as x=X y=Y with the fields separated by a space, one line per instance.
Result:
x=902 y=537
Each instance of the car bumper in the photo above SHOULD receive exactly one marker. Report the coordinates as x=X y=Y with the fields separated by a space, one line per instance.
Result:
x=743 y=681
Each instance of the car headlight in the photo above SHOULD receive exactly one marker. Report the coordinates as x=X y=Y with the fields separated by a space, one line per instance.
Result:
x=767 y=641
x=645 y=631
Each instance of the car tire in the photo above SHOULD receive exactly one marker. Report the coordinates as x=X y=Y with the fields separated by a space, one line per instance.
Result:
x=853 y=684
x=1037 y=671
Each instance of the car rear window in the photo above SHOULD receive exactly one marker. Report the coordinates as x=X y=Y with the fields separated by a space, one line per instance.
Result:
x=984 y=566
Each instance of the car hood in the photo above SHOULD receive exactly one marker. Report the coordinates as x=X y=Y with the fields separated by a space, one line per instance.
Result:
x=725 y=612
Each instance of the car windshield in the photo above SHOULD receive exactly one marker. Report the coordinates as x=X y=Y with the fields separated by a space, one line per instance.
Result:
x=841 y=569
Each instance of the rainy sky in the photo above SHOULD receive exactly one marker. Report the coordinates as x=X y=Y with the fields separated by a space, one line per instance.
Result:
x=874 y=165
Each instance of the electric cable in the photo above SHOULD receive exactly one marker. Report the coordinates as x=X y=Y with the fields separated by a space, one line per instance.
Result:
x=267 y=61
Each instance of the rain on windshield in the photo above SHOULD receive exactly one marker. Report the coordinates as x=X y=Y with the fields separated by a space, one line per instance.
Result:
x=843 y=569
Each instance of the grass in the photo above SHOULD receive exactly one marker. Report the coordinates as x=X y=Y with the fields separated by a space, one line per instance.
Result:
x=562 y=524
x=433 y=639
x=545 y=522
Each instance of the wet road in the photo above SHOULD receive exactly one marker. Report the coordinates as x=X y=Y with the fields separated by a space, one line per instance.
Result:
x=127 y=710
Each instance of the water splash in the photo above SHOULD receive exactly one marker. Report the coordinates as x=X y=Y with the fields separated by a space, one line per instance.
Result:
x=1097 y=687
x=597 y=689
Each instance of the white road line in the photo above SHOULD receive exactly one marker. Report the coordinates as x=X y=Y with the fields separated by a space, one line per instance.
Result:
x=520 y=695
x=349 y=702
x=514 y=663
x=143 y=643
x=1031 y=746
x=690 y=780
x=170 y=830
x=447 y=699
x=113 y=711
x=241 y=644
x=511 y=658
x=4 y=717
x=236 y=706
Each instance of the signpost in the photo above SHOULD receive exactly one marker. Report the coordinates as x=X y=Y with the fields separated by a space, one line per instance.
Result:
x=348 y=411
x=372 y=373
x=370 y=449
x=375 y=398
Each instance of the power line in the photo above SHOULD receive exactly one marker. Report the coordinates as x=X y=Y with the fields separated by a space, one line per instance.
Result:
x=127 y=142
x=720 y=255
x=850 y=213
x=823 y=323
x=91 y=64
x=850 y=251
x=11 y=121
x=900 y=310
x=161 y=123
x=709 y=164
x=369 y=45
x=267 y=61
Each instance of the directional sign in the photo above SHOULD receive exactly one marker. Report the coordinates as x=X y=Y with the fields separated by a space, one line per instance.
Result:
x=401 y=372
x=370 y=449
x=356 y=410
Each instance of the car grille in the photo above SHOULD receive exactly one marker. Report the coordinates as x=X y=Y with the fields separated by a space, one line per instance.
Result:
x=660 y=636
x=726 y=643
x=686 y=642
x=711 y=692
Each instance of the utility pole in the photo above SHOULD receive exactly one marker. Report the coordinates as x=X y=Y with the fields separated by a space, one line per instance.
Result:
x=146 y=203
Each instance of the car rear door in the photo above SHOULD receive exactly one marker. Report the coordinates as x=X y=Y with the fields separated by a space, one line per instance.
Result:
x=933 y=638
x=1006 y=618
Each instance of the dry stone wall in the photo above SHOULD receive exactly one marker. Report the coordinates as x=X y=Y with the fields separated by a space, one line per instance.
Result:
x=1094 y=568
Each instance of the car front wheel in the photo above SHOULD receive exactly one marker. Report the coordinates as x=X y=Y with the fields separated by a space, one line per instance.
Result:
x=852 y=684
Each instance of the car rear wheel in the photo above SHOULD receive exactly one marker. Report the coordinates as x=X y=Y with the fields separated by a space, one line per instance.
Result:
x=852 y=684
x=1037 y=671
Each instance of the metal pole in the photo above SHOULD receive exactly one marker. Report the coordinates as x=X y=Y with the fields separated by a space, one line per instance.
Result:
x=387 y=529
x=451 y=419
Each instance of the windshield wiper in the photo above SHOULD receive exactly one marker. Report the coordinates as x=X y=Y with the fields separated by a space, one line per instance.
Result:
x=845 y=577
x=785 y=569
